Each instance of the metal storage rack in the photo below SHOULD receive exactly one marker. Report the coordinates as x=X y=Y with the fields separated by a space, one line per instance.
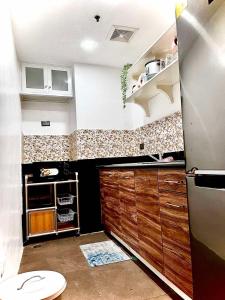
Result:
x=42 y=208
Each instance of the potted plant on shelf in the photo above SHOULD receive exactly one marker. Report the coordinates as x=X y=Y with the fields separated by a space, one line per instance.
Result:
x=124 y=85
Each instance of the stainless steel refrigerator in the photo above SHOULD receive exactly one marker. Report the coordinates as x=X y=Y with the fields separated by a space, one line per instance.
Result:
x=201 y=43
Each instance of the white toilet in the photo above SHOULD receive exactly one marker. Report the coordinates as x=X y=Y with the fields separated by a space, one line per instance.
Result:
x=37 y=285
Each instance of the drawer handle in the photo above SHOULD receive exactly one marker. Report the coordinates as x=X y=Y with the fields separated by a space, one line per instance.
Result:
x=126 y=177
x=174 y=205
x=175 y=181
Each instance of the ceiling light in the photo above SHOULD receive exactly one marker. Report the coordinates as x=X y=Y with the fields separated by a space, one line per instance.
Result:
x=89 y=45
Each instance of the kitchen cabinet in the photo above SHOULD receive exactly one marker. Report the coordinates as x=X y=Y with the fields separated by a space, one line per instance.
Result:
x=119 y=205
x=175 y=228
x=148 y=217
x=177 y=268
x=172 y=180
x=128 y=216
x=110 y=201
x=46 y=80
x=174 y=221
x=147 y=209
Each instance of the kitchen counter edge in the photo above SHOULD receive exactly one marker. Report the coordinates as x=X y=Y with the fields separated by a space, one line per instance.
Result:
x=145 y=165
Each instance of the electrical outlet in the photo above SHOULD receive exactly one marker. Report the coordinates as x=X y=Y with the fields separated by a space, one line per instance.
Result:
x=142 y=146
x=45 y=123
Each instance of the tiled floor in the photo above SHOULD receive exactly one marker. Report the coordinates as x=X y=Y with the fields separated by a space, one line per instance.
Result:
x=125 y=280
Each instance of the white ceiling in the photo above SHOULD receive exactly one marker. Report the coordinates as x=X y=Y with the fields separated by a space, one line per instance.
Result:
x=50 y=31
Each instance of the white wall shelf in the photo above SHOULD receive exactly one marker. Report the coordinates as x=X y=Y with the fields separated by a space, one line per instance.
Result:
x=163 y=81
x=158 y=49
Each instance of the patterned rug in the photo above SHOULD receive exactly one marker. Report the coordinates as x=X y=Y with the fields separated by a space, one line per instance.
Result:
x=98 y=254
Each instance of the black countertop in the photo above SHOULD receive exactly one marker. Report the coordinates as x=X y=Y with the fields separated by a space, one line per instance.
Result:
x=178 y=163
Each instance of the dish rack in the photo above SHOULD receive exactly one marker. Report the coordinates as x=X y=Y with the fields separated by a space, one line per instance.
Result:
x=66 y=215
x=65 y=199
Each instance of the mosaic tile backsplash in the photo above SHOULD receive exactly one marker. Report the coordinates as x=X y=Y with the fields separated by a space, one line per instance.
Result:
x=165 y=135
x=46 y=148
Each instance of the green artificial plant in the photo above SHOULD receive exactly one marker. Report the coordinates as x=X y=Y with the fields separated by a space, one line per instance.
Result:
x=124 y=85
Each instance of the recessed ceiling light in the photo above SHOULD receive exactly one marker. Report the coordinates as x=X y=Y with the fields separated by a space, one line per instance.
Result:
x=89 y=45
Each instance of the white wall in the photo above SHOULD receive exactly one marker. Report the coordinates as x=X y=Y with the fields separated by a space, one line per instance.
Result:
x=99 y=103
x=10 y=151
x=61 y=115
x=98 y=97
x=72 y=115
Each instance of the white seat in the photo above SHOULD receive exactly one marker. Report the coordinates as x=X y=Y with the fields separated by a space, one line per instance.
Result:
x=36 y=285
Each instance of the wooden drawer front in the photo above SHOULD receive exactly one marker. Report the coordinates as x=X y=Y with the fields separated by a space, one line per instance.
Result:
x=127 y=195
x=126 y=180
x=128 y=215
x=41 y=221
x=128 y=204
x=109 y=219
x=112 y=209
x=146 y=189
x=109 y=177
x=174 y=221
x=177 y=268
x=172 y=180
x=129 y=231
x=148 y=217
x=150 y=240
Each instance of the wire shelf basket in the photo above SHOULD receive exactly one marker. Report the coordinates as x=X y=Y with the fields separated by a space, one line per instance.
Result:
x=65 y=199
x=66 y=215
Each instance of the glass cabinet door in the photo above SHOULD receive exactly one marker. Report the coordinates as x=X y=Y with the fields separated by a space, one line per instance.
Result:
x=34 y=79
x=60 y=81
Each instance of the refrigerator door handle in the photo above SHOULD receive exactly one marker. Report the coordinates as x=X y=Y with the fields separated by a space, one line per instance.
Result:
x=210 y=172
x=214 y=179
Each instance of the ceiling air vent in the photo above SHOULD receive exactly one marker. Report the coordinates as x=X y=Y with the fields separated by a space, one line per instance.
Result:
x=121 y=33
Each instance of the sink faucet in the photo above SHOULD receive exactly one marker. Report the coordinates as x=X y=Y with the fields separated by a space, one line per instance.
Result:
x=155 y=158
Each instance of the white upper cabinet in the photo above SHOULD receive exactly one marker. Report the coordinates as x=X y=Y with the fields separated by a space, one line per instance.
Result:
x=46 y=80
